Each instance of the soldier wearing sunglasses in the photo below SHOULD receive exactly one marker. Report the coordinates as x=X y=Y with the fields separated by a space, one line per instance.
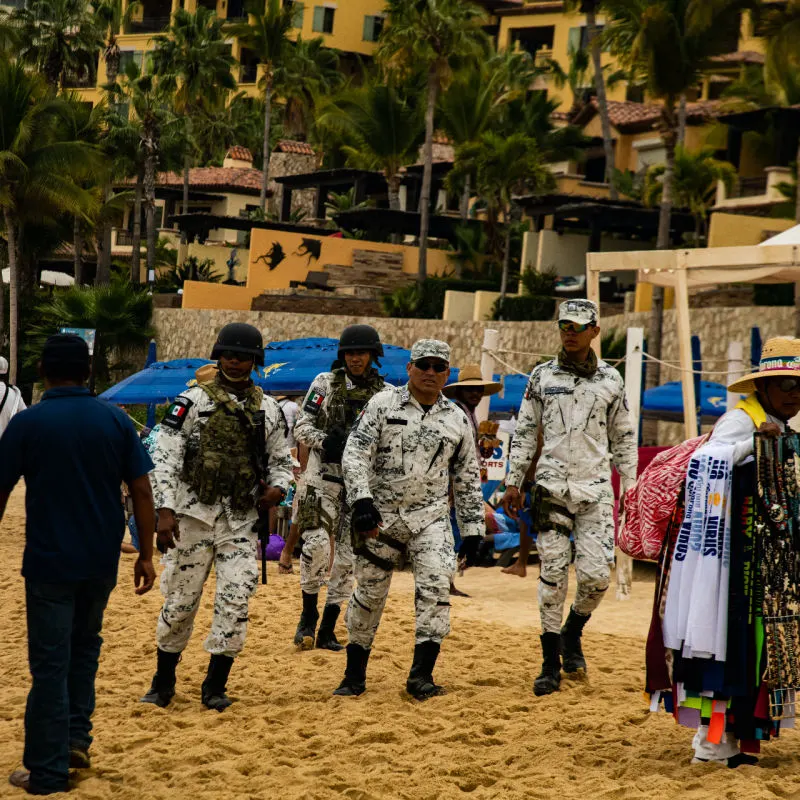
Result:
x=409 y=443
x=578 y=404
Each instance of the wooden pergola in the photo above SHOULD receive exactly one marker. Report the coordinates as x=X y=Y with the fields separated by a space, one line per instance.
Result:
x=685 y=269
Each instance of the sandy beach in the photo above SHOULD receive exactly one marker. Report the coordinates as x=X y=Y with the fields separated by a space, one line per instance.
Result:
x=287 y=737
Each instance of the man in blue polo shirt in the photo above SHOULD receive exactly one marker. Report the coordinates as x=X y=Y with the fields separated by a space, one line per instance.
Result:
x=74 y=452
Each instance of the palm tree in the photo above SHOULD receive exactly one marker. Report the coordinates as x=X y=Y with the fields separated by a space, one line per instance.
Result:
x=383 y=127
x=503 y=166
x=266 y=35
x=194 y=63
x=669 y=43
x=58 y=37
x=429 y=36
x=111 y=18
x=309 y=73
x=590 y=9
x=695 y=184
x=41 y=168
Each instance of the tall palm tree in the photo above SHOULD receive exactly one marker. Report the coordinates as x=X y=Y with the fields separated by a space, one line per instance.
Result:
x=594 y=46
x=430 y=36
x=58 y=37
x=194 y=63
x=695 y=184
x=41 y=167
x=111 y=18
x=669 y=43
x=503 y=166
x=383 y=128
x=266 y=35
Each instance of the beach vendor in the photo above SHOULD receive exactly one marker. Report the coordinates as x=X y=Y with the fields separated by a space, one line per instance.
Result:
x=407 y=447
x=721 y=671
x=578 y=404
x=326 y=416
x=220 y=459
x=73 y=452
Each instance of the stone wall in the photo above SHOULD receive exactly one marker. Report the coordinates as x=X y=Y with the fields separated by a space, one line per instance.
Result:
x=281 y=164
x=191 y=332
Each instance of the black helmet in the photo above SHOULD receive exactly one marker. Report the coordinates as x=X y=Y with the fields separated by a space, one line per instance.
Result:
x=239 y=337
x=360 y=337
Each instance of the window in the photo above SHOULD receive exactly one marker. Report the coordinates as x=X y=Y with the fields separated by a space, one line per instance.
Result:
x=130 y=57
x=248 y=69
x=579 y=38
x=534 y=39
x=634 y=93
x=373 y=25
x=298 y=8
x=323 y=19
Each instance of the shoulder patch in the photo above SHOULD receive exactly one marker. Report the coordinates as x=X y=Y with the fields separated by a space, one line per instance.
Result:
x=313 y=403
x=176 y=415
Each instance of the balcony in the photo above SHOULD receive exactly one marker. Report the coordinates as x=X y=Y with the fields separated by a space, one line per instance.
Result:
x=754 y=191
x=148 y=25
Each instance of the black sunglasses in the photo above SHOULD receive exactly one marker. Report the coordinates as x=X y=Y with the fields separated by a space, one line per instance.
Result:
x=436 y=366
x=789 y=384
x=235 y=354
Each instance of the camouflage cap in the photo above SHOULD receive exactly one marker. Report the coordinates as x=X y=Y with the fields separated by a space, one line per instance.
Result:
x=584 y=312
x=430 y=348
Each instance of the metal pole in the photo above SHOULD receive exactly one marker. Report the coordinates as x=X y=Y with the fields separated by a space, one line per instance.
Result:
x=491 y=339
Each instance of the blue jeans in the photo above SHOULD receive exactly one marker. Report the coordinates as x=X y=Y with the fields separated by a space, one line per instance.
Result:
x=64 y=624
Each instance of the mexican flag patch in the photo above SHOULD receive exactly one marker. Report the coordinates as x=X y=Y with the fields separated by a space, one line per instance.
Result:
x=313 y=402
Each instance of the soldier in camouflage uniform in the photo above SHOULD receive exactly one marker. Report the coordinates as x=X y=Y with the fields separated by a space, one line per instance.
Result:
x=405 y=449
x=328 y=412
x=220 y=458
x=578 y=404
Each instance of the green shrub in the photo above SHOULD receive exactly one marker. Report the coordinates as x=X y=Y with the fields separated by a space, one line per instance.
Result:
x=773 y=294
x=427 y=301
x=524 y=308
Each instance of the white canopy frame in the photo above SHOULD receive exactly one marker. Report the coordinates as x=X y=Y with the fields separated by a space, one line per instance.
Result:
x=682 y=269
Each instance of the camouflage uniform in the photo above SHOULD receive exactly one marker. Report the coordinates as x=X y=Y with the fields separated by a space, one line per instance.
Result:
x=217 y=532
x=334 y=400
x=404 y=459
x=584 y=421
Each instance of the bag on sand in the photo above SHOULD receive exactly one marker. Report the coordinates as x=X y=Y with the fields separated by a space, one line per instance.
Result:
x=650 y=502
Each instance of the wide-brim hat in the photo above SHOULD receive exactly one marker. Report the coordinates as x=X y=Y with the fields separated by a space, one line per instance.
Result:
x=779 y=356
x=470 y=377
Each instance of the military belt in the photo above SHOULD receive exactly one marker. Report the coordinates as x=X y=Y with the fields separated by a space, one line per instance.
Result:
x=383 y=563
x=333 y=479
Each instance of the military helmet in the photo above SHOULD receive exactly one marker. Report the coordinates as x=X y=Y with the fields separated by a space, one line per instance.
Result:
x=360 y=337
x=239 y=337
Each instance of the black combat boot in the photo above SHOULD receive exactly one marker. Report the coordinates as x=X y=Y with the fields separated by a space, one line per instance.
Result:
x=420 y=683
x=550 y=676
x=355 y=673
x=213 y=690
x=326 y=636
x=571 y=642
x=162 y=689
x=304 y=635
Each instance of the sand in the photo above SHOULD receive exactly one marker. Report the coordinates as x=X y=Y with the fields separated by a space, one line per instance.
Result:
x=287 y=737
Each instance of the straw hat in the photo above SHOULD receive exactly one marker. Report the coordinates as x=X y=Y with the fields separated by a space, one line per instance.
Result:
x=470 y=376
x=205 y=373
x=779 y=356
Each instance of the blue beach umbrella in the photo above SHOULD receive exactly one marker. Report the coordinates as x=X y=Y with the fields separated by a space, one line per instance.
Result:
x=159 y=383
x=666 y=401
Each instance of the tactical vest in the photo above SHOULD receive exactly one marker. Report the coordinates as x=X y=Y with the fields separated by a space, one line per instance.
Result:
x=223 y=462
x=345 y=404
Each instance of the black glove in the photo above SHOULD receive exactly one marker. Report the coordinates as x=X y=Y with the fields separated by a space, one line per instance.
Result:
x=365 y=516
x=469 y=549
x=333 y=445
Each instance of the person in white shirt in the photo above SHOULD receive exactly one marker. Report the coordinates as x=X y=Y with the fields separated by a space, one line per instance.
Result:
x=11 y=401
x=290 y=411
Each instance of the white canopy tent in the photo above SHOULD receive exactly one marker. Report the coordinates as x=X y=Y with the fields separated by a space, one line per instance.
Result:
x=685 y=269
x=48 y=277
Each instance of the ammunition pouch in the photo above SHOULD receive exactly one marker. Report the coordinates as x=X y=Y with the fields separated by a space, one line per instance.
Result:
x=360 y=549
x=311 y=514
x=549 y=513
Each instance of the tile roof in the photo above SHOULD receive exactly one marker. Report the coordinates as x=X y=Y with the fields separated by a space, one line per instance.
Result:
x=299 y=148
x=239 y=153
x=218 y=179
x=643 y=115
x=740 y=57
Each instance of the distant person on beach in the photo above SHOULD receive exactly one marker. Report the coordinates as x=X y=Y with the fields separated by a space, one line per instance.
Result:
x=578 y=403
x=73 y=452
x=408 y=446
x=11 y=401
x=326 y=416
x=220 y=458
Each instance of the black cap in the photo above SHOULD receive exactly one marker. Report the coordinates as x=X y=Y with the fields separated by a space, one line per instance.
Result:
x=65 y=350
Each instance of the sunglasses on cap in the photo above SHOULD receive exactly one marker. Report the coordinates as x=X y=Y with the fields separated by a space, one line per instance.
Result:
x=572 y=327
x=437 y=366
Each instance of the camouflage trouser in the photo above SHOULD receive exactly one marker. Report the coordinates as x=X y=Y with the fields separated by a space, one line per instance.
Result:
x=593 y=530
x=433 y=559
x=316 y=554
x=186 y=568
